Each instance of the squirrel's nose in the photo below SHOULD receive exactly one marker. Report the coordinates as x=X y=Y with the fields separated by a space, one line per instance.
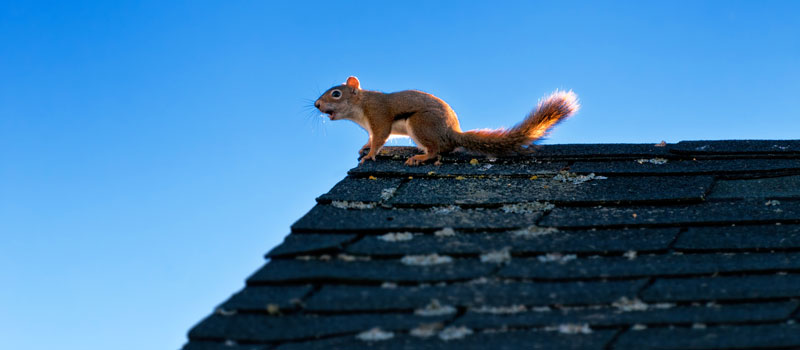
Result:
x=316 y=104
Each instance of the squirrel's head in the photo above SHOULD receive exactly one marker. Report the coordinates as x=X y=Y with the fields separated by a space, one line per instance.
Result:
x=339 y=102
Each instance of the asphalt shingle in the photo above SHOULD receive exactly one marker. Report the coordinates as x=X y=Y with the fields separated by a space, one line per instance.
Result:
x=501 y=340
x=769 y=286
x=722 y=212
x=265 y=328
x=482 y=191
x=650 y=265
x=294 y=270
x=266 y=298
x=329 y=218
x=354 y=298
x=631 y=312
x=771 y=336
x=740 y=237
x=738 y=147
x=524 y=241
x=310 y=243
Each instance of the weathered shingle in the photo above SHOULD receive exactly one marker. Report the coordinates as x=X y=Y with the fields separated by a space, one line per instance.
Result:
x=483 y=191
x=535 y=240
x=329 y=218
x=769 y=336
x=491 y=293
x=740 y=237
x=622 y=246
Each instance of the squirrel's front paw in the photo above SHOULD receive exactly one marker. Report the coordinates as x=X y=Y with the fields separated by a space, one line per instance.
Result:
x=367 y=157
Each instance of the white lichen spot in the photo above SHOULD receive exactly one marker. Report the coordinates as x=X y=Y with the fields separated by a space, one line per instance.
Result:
x=497 y=257
x=541 y=309
x=639 y=327
x=627 y=305
x=434 y=308
x=501 y=310
x=350 y=258
x=445 y=232
x=662 y=306
x=224 y=312
x=556 y=257
x=631 y=254
x=566 y=176
x=426 y=260
x=426 y=330
x=527 y=207
x=698 y=326
x=485 y=167
x=387 y=193
x=389 y=285
x=352 y=205
x=772 y=202
x=324 y=257
x=656 y=161
x=375 y=334
x=534 y=231
x=572 y=328
x=446 y=209
x=479 y=280
x=396 y=237
x=231 y=343
x=452 y=333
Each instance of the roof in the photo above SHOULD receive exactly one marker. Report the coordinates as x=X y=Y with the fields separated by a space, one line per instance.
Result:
x=584 y=246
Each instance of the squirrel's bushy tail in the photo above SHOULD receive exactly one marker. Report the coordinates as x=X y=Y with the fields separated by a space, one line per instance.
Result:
x=549 y=112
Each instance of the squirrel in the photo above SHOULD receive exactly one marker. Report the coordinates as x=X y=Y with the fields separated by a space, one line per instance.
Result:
x=432 y=124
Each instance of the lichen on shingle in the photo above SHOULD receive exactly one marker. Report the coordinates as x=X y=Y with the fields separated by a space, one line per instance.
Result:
x=387 y=193
x=426 y=330
x=352 y=205
x=534 y=231
x=452 y=333
x=497 y=257
x=565 y=176
x=656 y=161
x=556 y=257
x=501 y=310
x=571 y=328
x=396 y=237
x=626 y=305
x=426 y=260
x=434 y=308
x=375 y=334
x=445 y=232
x=445 y=209
x=527 y=207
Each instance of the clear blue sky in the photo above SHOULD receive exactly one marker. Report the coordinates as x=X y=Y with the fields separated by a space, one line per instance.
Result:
x=152 y=152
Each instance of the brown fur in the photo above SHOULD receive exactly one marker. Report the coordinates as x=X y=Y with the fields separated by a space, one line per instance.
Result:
x=432 y=124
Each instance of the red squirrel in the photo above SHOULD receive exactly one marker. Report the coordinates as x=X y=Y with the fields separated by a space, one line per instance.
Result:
x=432 y=124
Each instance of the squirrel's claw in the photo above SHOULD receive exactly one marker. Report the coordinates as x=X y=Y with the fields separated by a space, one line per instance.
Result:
x=367 y=157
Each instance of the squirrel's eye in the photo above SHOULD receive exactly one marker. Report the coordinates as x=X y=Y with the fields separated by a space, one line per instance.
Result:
x=336 y=94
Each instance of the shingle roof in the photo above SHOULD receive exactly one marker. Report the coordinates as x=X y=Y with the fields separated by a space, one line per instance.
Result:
x=608 y=246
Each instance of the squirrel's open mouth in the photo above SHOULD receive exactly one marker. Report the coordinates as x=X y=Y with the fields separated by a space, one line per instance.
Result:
x=331 y=113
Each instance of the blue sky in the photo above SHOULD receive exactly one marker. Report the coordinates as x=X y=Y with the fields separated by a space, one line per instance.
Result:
x=152 y=152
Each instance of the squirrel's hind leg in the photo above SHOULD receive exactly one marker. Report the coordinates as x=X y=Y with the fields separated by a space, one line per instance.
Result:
x=429 y=136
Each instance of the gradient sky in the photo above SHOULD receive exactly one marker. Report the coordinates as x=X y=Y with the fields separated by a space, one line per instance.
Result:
x=151 y=152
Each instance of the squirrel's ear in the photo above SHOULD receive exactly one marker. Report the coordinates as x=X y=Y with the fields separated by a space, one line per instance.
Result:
x=353 y=83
